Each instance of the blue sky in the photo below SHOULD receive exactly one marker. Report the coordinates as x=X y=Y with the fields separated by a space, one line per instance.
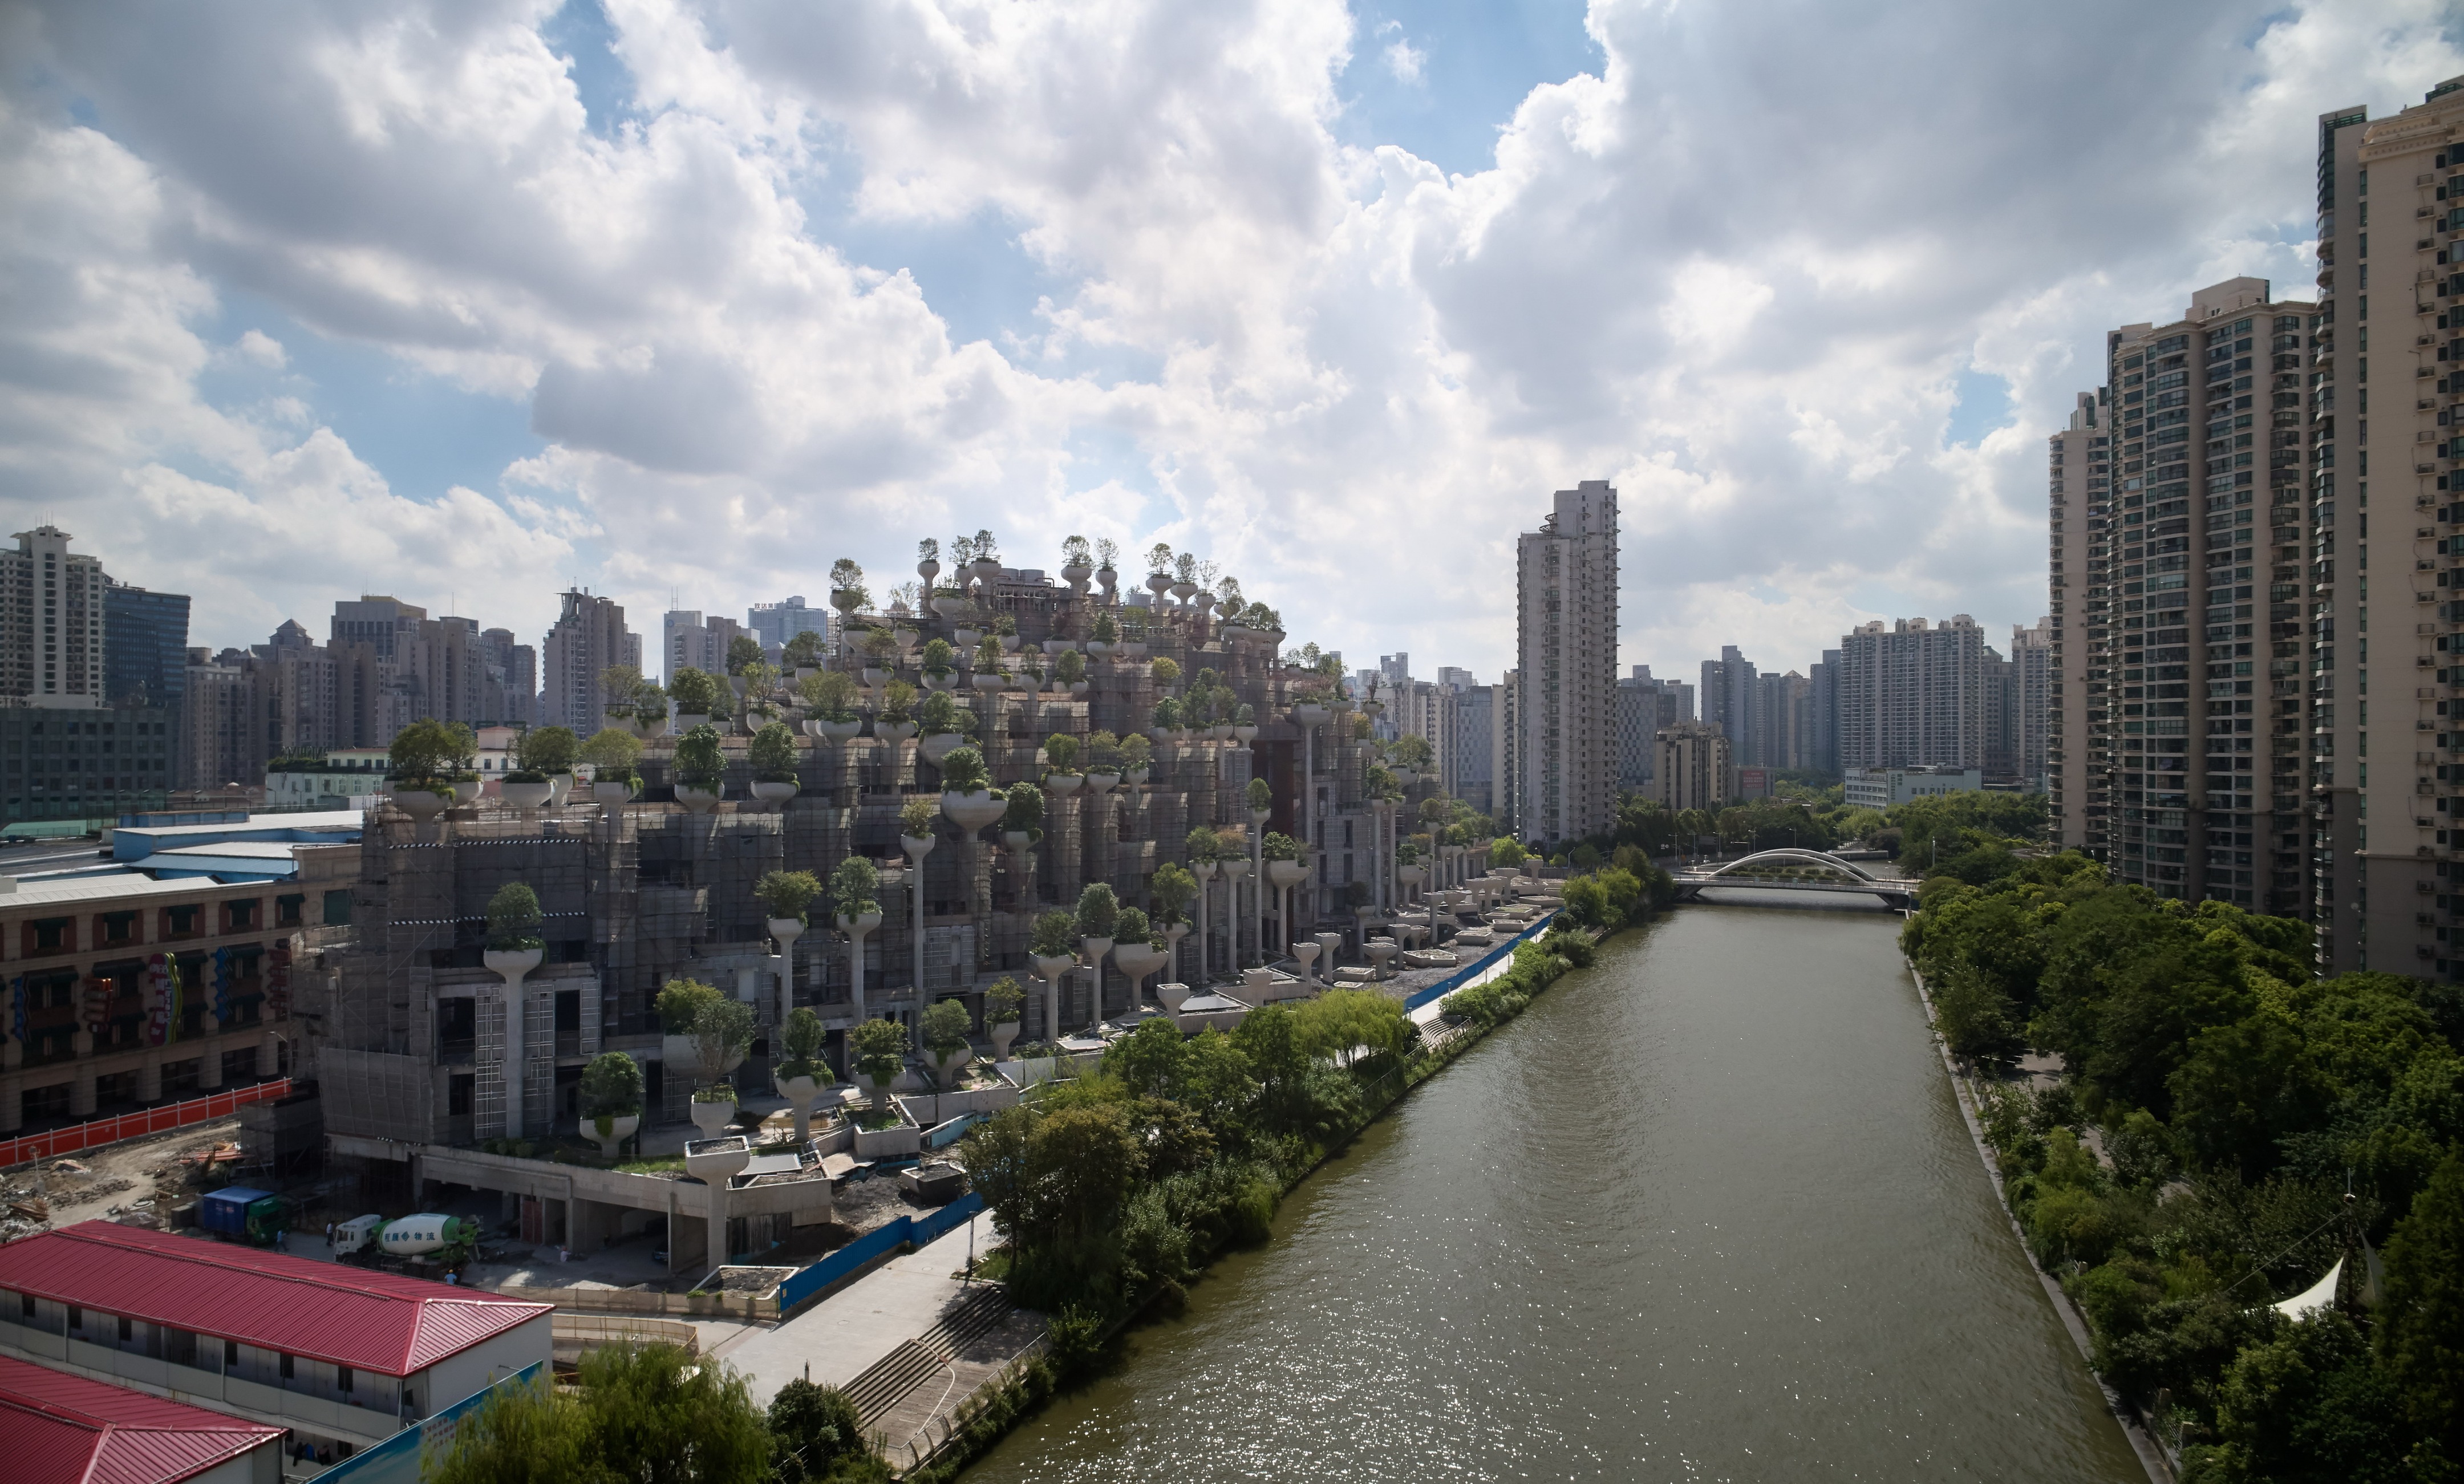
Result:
x=691 y=298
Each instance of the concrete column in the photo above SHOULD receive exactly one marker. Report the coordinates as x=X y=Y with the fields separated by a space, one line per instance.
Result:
x=150 y=1078
x=12 y=1105
x=209 y=1067
x=81 y=1091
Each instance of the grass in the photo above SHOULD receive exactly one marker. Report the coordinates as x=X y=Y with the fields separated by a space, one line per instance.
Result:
x=873 y=1119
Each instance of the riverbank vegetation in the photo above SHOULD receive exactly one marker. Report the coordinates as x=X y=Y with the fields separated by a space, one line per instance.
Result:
x=655 y=1412
x=1971 y=836
x=2226 y=1129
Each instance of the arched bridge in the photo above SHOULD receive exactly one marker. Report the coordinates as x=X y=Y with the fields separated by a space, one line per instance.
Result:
x=1796 y=869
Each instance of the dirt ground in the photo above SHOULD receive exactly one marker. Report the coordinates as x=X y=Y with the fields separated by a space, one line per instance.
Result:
x=137 y=1183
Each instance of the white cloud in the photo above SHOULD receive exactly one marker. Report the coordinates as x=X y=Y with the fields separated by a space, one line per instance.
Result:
x=1733 y=271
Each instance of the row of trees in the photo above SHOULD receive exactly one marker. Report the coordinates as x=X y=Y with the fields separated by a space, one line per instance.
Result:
x=2256 y=1125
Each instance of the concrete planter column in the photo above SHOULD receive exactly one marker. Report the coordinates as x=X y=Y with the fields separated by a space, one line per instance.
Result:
x=1095 y=949
x=1328 y=944
x=1306 y=952
x=713 y=1161
x=785 y=931
x=1172 y=933
x=514 y=966
x=1053 y=969
x=1258 y=819
x=918 y=848
x=1205 y=871
x=1234 y=873
x=857 y=928
x=1137 y=960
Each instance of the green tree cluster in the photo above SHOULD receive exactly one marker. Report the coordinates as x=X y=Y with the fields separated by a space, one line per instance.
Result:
x=2237 y=1101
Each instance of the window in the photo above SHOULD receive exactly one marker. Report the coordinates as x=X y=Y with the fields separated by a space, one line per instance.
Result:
x=458 y=1092
x=128 y=1329
x=343 y=1379
x=286 y=1367
x=116 y=927
x=50 y=935
x=287 y=910
x=230 y=1355
x=241 y=915
x=337 y=909
x=181 y=921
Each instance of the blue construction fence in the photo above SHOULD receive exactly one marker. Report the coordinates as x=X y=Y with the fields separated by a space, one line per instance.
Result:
x=879 y=1242
x=397 y=1461
x=1474 y=969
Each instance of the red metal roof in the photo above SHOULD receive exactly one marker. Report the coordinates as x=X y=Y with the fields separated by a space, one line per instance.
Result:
x=379 y=1322
x=67 y=1429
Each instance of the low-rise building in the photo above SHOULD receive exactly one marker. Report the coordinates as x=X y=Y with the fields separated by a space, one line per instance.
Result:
x=64 y=1428
x=1695 y=767
x=1880 y=788
x=167 y=970
x=342 y=1356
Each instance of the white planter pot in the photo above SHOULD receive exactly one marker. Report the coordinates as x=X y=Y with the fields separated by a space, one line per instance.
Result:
x=1244 y=734
x=989 y=682
x=893 y=732
x=686 y=721
x=699 y=801
x=1286 y=873
x=467 y=790
x=941 y=744
x=1098 y=647
x=420 y=804
x=1100 y=782
x=611 y=793
x=972 y=811
x=621 y=1127
x=562 y=785
x=526 y=796
x=1004 y=1033
x=713 y=1117
x=774 y=792
x=1060 y=785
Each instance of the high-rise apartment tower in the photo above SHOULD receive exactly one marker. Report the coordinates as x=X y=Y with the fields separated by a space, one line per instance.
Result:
x=1566 y=590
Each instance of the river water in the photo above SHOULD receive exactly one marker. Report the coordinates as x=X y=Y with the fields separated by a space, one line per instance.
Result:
x=1704 y=1211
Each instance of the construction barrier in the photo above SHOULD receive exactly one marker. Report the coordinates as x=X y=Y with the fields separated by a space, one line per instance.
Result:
x=1473 y=971
x=132 y=1125
x=879 y=1242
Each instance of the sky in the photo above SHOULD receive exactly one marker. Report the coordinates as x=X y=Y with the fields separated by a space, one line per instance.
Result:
x=471 y=301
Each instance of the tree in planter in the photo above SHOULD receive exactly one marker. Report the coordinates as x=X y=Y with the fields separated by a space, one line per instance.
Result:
x=1503 y=850
x=614 y=756
x=513 y=920
x=940 y=715
x=1412 y=750
x=464 y=759
x=939 y=658
x=1173 y=889
x=896 y=697
x=789 y=894
x=1260 y=796
x=701 y=763
x=423 y=753
x=879 y=1049
x=847 y=586
x=853 y=886
x=803 y=1038
x=1108 y=554
x=774 y=754
x=721 y=1033
x=1133 y=927
x=1024 y=814
x=1378 y=782
x=650 y=704
x=879 y=643
x=695 y=693
x=1060 y=751
x=1005 y=1002
x=945 y=1024
x=1072 y=667
x=1099 y=910
x=1107 y=630
x=1076 y=553
x=915 y=817
x=543 y=753
x=618 y=685
x=803 y=651
x=1055 y=935
x=963 y=771
x=829 y=694
x=1166 y=671
x=761 y=687
x=611 y=1088
x=680 y=1004
x=1279 y=847
x=1159 y=559
x=989 y=654
x=744 y=652
x=1136 y=752
x=1166 y=715
x=1103 y=752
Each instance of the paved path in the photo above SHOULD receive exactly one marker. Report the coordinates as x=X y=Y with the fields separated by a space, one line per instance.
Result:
x=860 y=1323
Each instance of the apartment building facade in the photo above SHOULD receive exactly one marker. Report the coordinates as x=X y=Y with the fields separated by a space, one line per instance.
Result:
x=1565 y=584
x=1913 y=694
x=51 y=621
x=588 y=638
x=2387 y=787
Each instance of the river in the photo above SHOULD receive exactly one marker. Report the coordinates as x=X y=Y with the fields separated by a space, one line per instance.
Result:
x=1706 y=1211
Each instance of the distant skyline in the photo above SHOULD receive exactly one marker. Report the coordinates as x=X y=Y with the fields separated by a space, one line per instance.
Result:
x=682 y=301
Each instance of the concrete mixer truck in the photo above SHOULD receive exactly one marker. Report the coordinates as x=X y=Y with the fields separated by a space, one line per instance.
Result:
x=426 y=1234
